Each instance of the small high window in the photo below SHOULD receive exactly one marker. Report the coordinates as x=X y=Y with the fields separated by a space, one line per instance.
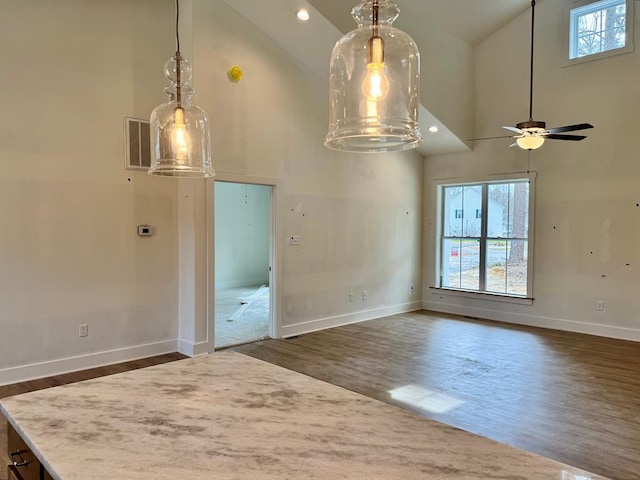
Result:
x=598 y=29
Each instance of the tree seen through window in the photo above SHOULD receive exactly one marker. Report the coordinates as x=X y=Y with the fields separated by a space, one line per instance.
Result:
x=598 y=27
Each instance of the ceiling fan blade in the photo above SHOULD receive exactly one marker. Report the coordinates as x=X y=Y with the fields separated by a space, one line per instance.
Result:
x=514 y=144
x=488 y=138
x=570 y=128
x=575 y=138
x=513 y=129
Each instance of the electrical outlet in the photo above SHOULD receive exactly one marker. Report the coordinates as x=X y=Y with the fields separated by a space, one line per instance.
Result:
x=600 y=305
x=364 y=295
x=350 y=297
x=83 y=331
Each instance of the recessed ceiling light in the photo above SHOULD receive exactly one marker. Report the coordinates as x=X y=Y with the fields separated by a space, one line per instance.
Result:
x=302 y=14
x=434 y=129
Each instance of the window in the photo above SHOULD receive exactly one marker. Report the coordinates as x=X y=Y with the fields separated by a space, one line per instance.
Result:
x=488 y=253
x=459 y=213
x=597 y=29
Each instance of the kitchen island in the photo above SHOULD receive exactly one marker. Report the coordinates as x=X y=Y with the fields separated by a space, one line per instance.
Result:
x=228 y=416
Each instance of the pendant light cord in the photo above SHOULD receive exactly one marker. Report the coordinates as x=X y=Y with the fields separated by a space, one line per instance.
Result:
x=374 y=17
x=533 y=19
x=178 y=57
x=177 y=23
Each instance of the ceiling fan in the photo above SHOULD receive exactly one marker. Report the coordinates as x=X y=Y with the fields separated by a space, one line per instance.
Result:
x=533 y=133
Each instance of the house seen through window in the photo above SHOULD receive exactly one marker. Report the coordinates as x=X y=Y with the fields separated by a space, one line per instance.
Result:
x=484 y=233
x=599 y=27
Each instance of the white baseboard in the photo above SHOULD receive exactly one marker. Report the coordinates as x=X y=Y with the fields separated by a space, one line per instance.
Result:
x=337 y=321
x=191 y=349
x=83 y=362
x=537 y=321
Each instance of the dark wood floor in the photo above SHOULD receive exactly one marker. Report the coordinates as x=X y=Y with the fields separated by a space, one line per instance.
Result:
x=570 y=397
x=64 y=379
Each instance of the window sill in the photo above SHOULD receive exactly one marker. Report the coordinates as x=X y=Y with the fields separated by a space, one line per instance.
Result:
x=491 y=297
x=597 y=56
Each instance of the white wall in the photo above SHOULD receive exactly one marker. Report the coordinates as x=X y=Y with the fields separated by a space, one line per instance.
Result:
x=69 y=253
x=587 y=190
x=358 y=216
x=243 y=221
x=446 y=81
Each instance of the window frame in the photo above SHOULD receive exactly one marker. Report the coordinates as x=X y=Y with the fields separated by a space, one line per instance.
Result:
x=568 y=6
x=439 y=238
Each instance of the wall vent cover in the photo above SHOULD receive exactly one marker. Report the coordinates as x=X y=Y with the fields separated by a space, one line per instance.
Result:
x=137 y=147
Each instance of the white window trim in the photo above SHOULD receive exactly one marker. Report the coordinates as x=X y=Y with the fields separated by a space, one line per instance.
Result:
x=569 y=5
x=491 y=296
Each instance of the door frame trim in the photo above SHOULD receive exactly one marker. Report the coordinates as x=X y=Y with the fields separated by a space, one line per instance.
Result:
x=275 y=327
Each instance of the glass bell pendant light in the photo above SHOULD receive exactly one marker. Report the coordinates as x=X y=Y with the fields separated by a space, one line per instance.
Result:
x=374 y=84
x=180 y=143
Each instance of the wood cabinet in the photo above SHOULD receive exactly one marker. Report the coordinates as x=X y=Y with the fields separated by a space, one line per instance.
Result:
x=25 y=464
x=14 y=474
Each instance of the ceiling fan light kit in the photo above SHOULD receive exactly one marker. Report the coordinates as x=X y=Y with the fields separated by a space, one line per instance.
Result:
x=530 y=142
x=533 y=133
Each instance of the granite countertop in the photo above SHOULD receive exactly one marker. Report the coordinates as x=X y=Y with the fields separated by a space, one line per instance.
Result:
x=228 y=416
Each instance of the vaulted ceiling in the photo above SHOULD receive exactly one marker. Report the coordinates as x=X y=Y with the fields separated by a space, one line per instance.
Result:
x=469 y=20
x=442 y=28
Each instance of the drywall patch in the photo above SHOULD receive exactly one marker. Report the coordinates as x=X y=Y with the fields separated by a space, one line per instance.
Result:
x=298 y=208
x=605 y=240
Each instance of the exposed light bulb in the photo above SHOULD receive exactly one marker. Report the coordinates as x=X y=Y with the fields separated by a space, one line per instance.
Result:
x=530 y=142
x=375 y=86
x=180 y=135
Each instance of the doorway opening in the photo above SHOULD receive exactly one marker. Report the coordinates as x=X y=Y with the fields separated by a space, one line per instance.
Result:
x=242 y=263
